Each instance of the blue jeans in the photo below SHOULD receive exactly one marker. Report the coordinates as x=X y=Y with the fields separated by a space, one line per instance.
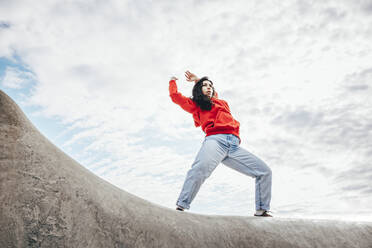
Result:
x=225 y=148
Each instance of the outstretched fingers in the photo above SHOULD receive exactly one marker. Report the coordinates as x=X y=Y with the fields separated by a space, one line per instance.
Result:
x=190 y=76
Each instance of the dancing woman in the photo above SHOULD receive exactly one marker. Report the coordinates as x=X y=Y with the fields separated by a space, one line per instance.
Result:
x=221 y=144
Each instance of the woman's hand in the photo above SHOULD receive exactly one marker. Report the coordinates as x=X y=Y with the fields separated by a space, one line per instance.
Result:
x=174 y=78
x=191 y=77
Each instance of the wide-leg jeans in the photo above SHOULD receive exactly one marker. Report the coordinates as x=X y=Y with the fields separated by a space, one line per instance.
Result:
x=225 y=148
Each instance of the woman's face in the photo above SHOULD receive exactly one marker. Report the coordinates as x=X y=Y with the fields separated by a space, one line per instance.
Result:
x=207 y=88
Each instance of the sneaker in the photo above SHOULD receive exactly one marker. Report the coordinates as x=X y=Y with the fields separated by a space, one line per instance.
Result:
x=179 y=209
x=263 y=214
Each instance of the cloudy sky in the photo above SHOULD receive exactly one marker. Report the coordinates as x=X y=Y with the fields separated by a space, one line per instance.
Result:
x=93 y=77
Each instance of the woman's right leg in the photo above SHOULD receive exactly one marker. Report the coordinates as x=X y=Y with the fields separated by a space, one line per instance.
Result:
x=212 y=152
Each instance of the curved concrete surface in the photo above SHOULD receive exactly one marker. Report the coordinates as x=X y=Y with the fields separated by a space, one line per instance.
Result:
x=49 y=200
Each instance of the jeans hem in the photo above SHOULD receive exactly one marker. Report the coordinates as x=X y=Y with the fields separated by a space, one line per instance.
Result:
x=263 y=208
x=182 y=206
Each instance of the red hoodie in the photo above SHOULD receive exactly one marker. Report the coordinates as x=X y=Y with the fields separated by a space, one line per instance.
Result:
x=218 y=120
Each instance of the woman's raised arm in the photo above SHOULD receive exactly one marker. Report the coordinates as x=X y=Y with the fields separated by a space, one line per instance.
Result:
x=184 y=102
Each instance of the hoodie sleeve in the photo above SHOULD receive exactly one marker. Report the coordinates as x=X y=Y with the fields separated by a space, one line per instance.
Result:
x=226 y=105
x=184 y=102
x=196 y=116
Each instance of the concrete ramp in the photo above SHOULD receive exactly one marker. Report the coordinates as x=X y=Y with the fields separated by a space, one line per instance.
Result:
x=49 y=200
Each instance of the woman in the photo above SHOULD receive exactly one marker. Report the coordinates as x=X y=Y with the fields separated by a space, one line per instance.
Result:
x=221 y=144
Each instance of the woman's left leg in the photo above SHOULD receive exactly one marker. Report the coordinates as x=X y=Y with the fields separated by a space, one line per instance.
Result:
x=245 y=162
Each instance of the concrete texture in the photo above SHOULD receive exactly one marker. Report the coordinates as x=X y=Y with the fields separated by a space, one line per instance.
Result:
x=49 y=200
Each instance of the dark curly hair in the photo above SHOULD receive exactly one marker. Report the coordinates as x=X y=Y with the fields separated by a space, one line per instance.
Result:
x=199 y=98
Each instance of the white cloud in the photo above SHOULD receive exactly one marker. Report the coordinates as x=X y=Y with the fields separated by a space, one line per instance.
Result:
x=295 y=74
x=15 y=78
